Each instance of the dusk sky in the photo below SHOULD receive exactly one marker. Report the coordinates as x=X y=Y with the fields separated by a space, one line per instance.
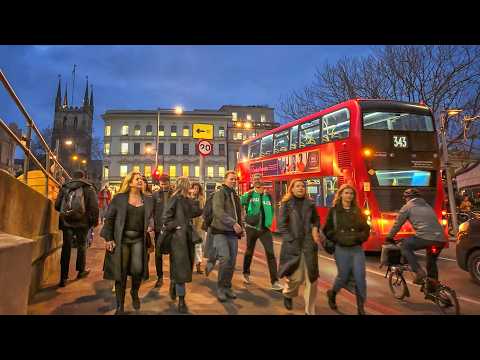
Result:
x=148 y=77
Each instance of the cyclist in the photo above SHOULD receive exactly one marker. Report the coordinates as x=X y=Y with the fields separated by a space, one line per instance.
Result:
x=428 y=233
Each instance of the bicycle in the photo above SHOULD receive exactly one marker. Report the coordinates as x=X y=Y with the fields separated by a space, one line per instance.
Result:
x=443 y=296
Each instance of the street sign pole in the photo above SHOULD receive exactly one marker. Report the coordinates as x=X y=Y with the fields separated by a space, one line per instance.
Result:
x=202 y=170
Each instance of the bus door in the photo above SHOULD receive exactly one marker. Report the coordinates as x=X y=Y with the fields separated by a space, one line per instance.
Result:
x=280 y=191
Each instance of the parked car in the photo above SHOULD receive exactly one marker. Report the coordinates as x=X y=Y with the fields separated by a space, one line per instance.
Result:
x=468 y=247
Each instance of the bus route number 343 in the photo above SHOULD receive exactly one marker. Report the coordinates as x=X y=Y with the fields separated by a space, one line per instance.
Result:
x=205 y=147
x=400 y=141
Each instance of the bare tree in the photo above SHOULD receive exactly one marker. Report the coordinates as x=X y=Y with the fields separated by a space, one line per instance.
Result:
x=97 y=148
x=441 y=76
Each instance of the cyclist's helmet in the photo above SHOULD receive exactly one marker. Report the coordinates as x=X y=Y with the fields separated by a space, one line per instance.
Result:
x=412 y=193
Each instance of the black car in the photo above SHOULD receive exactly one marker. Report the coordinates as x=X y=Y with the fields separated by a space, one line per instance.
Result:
x=468 y=247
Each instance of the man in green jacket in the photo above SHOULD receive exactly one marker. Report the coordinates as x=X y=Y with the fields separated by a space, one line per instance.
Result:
x=259 y=210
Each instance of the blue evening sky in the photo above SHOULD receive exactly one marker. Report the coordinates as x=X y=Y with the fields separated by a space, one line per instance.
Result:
x=148 y=77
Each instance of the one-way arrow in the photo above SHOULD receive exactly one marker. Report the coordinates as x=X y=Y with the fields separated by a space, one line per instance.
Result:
x=199 y=131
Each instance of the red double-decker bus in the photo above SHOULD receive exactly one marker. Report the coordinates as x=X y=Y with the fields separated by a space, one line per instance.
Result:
x=381 y=147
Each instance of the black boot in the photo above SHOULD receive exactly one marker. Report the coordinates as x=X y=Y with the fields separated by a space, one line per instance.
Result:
x=120 y=297
x=172 y=291
x=182 y=307
x=332 y=295
x=360 y=305
x=134 y=292
x=288 y=303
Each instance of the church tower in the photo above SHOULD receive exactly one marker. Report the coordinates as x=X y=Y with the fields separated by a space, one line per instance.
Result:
x=73 y=130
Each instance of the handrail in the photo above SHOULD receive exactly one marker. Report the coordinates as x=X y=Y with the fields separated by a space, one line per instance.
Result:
x=31 y=124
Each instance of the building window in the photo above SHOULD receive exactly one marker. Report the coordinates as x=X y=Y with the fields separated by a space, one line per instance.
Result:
x=210 y=171
x=221 y=131
x=185 y=170
x=237 y=136
x=249 y=117
x=221 y=171
x=263 y=118
x=125 y=130
x=106 y=148
x=172 y=172
x=173 y=130
x=160 y=148
x=136 y=130
x=186 y=131
x=136 y=149
x=64 y=122
x=148 y=171
x=234 y=116
x=160 y=169
x=186 y=149
x=148 y=148
x=136 y=168
x=221 y=149
x=123 y=170
x=108 y=129
x=148 y=130
x=161 y=130
x=197 y=171
x=124 y=149
x=173 y=149
x=105 y=172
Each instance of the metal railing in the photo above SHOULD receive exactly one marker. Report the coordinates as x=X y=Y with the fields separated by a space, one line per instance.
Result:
x=50 y=157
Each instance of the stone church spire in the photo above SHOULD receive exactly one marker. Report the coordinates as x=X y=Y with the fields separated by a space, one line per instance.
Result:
x=85 y=97
x=65 y=101
x=58 y=99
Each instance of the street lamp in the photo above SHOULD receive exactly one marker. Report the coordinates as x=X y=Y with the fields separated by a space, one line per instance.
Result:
x=68 y=142
x=74 y=157
x=444 y=115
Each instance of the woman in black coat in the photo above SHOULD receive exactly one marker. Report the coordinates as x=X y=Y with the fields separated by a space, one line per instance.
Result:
x=178 y=220
x=347 y=227
x=125 y=232
x=298 y=226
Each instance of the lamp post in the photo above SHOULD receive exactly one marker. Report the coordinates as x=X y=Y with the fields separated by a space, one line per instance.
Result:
x=444 y=115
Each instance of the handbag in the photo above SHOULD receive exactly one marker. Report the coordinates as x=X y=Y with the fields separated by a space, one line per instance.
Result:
x=329 y=245
x=164 y=241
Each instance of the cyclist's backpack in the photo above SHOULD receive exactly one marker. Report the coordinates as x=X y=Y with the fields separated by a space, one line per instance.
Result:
x=73 y=205
x=208 y=213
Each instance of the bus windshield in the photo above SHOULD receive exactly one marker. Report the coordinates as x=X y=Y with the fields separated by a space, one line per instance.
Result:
x=397 y=121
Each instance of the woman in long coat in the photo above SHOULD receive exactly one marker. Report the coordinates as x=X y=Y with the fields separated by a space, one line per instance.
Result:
x=178 y=220
x=125 y=232
x=298 y=227
x=197 y=194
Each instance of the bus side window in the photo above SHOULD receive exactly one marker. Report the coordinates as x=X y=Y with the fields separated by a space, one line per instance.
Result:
x=330 y=187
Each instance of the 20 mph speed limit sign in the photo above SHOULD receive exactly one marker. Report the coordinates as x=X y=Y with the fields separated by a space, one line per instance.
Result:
x=204 y=147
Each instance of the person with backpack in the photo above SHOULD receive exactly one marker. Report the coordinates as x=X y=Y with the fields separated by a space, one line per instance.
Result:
x=347 y=228
x=78 y=207
x=259 y=215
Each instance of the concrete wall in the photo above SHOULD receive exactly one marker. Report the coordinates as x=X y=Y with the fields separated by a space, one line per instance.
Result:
x=28 y=214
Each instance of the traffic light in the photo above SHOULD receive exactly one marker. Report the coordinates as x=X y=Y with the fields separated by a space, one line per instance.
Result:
x=156 y=176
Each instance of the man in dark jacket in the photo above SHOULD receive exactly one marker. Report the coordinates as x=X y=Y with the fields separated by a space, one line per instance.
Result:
x=428 y=233
x=226 y=230
x=160 y=200
x=76 y=226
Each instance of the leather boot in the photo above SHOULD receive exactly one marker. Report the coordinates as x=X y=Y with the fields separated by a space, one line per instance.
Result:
x=360 y=305
x=172 y=291
x=332 y=295
x=182 y=307
x=134 y=293
x=120 y=298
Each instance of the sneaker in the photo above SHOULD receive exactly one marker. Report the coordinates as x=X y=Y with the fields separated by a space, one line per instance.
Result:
x=277 y=286
x=83 y=274
x=222 y=297
x=230 y=293
x=246 y=278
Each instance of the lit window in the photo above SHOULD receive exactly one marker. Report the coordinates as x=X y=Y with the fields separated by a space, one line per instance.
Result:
x=263 y=118
x=124 y=149
x=197 y=171
x=125 y=130
x=136 y=168
x=237 y=136
x=148 y=130
x=185 y=170
x=249 y=117
x=123 y=170
x=173 y=131
x=105 y=172
x=106 y=148
x=161 y=130
x=221 y=131
x=136 y=130
x=186 y=131
x=148 y=171
x=234 y=116
x=172 y=171
x=108 y=129
x=210 y=171
x=221 y=171
x=160 y=169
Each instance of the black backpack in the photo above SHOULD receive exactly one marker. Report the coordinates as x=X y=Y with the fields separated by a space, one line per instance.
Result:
x=72 y=207
x=207 y=214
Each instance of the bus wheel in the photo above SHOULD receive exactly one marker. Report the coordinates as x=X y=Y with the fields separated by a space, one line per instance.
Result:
x=473 y=266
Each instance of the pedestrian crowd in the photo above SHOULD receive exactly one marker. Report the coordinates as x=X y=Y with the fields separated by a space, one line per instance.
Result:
x=190 y=228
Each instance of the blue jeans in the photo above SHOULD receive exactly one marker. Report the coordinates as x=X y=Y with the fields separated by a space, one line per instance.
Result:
x=180 y=289
x=350 y=260
x=226 y=248
x=411 y=244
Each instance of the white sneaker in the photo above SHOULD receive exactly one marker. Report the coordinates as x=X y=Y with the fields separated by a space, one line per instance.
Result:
x=246 y=278
x=277 y=286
